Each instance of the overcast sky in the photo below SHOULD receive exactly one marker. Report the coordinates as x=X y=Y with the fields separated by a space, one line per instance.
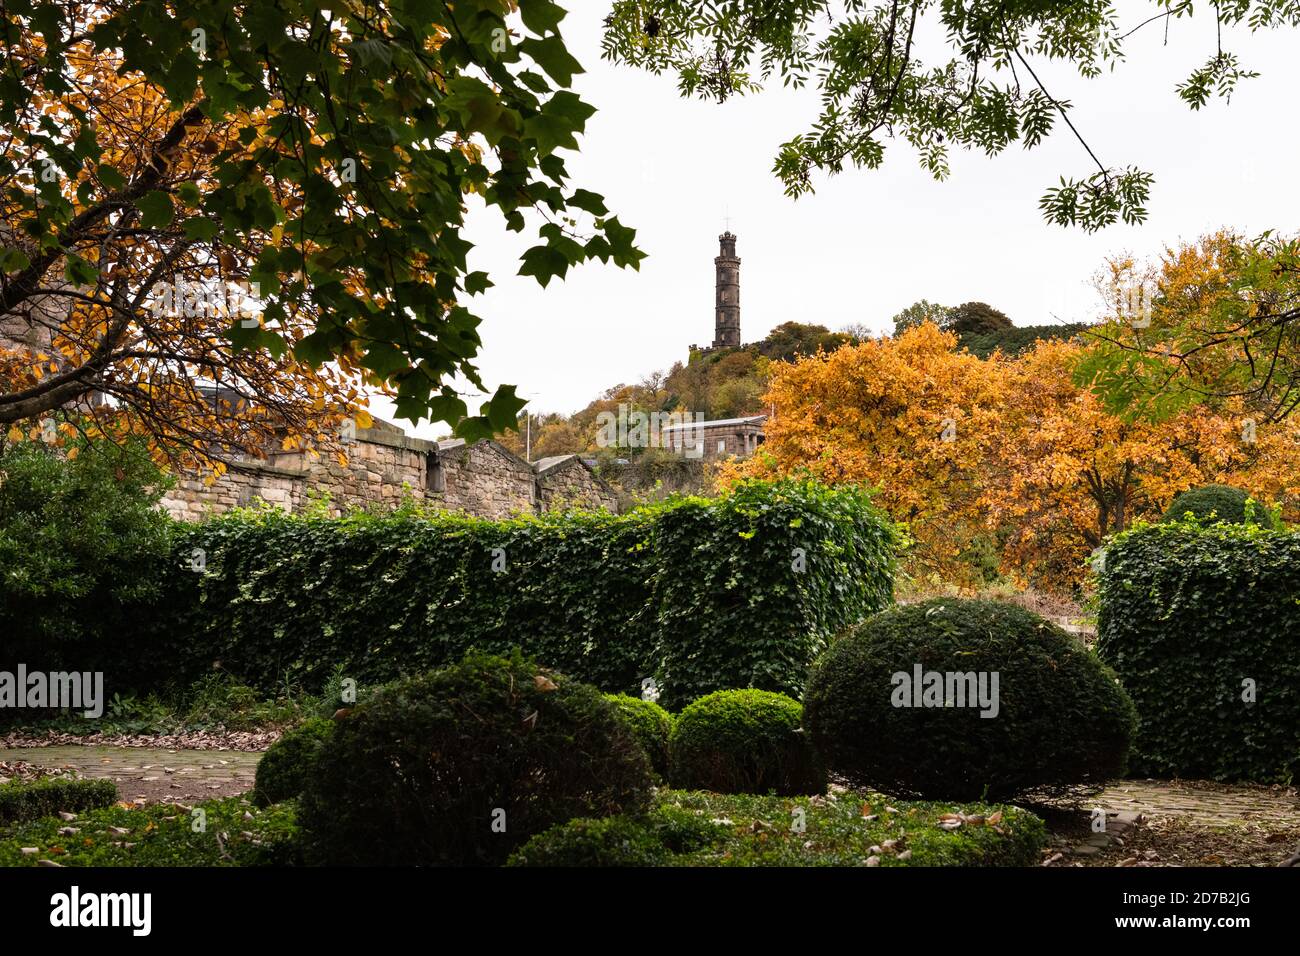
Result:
x=868 y=243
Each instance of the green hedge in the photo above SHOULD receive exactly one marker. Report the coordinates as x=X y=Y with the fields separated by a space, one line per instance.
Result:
x=44 y=798
x=1213 y=503
x=702 y=594
x=1186 y=615
x=732 y=611
x=283 y=770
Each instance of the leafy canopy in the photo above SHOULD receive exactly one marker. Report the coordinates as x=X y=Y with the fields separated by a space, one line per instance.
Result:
x=937 y=74
x=340 y=141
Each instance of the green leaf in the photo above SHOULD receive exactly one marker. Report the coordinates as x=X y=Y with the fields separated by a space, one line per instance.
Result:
x=201 y=230
x=155 y=210
x=553 y=57
x=110 y=177
x=80 y=272
x=541 y=16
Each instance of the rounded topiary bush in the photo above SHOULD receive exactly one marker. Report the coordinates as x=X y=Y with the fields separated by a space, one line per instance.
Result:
x=284 y=768
x=1057 y=718
x=1220 y=503
x=743 y=741
x=649 y=723
x=462 y=765
x=612 y=841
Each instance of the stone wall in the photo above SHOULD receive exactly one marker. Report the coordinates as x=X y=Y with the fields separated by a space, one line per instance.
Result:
x=566 y=482
x=483 y=479
x=385 y=467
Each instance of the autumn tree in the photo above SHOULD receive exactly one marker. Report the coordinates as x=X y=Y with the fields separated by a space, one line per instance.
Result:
x=1070 y=473
x=909 y=415
x=319 y=163
x=1008 y=454
x=1209 y=321
x=975 y=83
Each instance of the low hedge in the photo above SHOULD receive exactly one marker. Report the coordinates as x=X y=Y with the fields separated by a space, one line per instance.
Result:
x=744 y=741
x=20 y=801
x=701 y=594
x=612 y=841
x=649 y=723
x=1189 y=614
x=1213 y=503
x=1006 y=704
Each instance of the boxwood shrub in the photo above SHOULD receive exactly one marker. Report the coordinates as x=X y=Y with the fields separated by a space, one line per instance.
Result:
x=283 y=770
x=1213 y=503
x=744 y=741
x=462 y=765
x=700 y=594
x=20 y=800
x=1058 y=720
x=1194 y=620
x=649 y=723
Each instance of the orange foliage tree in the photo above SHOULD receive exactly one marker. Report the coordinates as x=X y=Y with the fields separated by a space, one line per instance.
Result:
x=911 y=416
x=133 y=334
x=1004 y=456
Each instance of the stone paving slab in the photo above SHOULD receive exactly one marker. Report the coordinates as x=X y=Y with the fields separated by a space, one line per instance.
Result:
x=154 y=775
x=1202 y=806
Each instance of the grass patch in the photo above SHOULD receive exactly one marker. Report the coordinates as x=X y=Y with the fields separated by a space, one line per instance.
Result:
x=235 y=833
x=840 y=829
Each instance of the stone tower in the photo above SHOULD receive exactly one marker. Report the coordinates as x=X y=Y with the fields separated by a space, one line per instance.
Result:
x=728 y=306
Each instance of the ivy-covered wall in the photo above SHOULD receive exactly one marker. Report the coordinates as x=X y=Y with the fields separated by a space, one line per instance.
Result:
x=698 y=594
x=1202 y=624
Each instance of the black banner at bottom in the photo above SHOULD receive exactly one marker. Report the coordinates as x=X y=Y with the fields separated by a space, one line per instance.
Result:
x=342 y=906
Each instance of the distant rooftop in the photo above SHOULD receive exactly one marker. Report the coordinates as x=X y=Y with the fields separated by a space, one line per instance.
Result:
x=717 y=423
x=543 y=464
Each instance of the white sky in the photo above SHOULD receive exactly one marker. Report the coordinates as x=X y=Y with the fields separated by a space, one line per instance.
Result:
x=868 y=243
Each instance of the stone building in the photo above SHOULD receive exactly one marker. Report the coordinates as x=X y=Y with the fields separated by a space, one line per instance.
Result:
x=385 y=466
x=567 y=481
x=721 y=438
